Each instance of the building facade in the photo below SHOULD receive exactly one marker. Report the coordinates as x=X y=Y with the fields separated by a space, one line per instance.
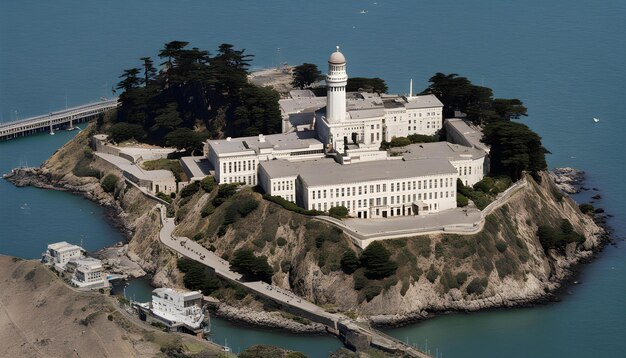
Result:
x=330 y=155
x=60 y=253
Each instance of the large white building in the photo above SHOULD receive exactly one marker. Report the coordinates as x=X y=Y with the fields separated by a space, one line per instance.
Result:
x=329 y=154
x=374 y=189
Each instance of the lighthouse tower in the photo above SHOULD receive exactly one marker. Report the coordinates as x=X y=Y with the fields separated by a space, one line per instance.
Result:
x=336 y=81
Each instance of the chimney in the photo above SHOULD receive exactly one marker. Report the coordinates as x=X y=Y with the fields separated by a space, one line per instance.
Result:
x=261 y=138
x=411 y=89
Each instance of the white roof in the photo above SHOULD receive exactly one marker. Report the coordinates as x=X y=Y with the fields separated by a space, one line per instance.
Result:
x=88 y=263
x=63 y=246
x=472 y=135
x=423 y=101
x=327 y=172
x=282 y=141
x=187 y=295
x=444 y=150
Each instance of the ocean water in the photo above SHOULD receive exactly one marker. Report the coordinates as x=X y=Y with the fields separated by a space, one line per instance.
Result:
x=564 y=59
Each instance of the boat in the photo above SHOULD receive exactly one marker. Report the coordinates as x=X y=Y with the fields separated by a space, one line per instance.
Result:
x=363 y=11
x=596 y=120
x=226 y=348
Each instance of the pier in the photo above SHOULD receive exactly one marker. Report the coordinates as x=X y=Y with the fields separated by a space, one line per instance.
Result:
x=55 y=120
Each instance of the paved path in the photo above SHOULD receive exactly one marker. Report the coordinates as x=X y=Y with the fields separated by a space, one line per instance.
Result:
x=454 y=221
x=191 y=249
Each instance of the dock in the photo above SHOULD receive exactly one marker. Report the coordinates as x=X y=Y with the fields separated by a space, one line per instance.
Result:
x=55 y=120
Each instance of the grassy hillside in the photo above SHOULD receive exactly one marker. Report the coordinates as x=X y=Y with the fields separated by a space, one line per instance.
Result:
x=41 y=316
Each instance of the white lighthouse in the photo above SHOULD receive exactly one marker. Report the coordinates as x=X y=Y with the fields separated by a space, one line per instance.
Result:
x=336 y=81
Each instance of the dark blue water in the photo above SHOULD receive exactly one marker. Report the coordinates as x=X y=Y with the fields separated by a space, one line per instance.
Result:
x=564 y=59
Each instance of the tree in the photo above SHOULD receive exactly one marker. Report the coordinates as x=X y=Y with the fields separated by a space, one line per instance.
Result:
x=514 y=149
x=148 y=70
x=257 y=112
x=109 y=182
x=363 y=84
x=338 y=212
x=349 y=262
x=129 y=79
x=252 y=267
x=120 y=132
x=187 y=139
x=305 y=75
x=375 y=259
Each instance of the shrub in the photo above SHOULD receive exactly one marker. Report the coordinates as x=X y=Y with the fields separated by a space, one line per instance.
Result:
x=461 y=277
x=399 y=142
x=372 y=290
x=224 y=192
x=423 y=246
x=164 y=197
x=108 y=183
x=207 y=210
x=172 y=165
x=432 y=274
x=501 y=246
x=505 y=267
x=461 y=200
x=208 y=184
x=190 y=189
x=550 y=237
x=83 y=169
x=338 y=212
x=375 y=259
x=88 y=152
x=281 y=241
x=477 y=286
x=421 y=138
x=319 y=241
x=291 y=206
x=349 y=262
x=359 y=280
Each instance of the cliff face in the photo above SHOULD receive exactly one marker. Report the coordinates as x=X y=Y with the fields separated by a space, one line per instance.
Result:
x=503 y=265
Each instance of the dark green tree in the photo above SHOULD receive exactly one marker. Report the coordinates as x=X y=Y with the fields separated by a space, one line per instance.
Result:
x=363 y=84
x=305 y=74
x=148 y=70
x=514 y=149
x=375 y=259
x=187 y=139
x=257 y=113
x=253 y=268
x=349 y=262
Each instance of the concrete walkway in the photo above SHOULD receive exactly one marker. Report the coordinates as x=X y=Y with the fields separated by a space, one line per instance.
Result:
x=461 y=221
x=336 y=324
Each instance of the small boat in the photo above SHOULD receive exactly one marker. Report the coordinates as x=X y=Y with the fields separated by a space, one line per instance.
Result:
x=596 y=120
x=363 y=11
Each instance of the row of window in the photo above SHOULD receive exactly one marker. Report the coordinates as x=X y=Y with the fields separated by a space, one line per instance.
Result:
x=282 y=185
x=378 y=188
x=238 y=166
x=249 y=179
x=337 y=89
x=406 y=199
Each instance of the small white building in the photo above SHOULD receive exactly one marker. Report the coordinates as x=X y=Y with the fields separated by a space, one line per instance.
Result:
x=178 y=310
x=60 y=253
x=88 y=273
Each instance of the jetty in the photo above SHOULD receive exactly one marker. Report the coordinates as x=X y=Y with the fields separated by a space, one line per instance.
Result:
x=55 y=120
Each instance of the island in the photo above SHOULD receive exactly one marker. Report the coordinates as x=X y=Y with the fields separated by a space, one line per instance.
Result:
x=325 y=205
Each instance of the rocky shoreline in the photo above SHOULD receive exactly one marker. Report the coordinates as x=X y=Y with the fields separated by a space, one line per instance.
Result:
x=267 y=320
x=568 y=180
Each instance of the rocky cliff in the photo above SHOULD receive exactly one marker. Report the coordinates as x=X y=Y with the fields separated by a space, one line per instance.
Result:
x=503 y=265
